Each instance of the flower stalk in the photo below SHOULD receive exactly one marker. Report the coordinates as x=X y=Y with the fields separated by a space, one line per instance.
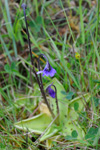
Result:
x=56 y=99
x=37 y=78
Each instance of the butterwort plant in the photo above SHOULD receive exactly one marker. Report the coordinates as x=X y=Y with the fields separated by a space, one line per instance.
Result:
x=47 y=71
x=46 y=125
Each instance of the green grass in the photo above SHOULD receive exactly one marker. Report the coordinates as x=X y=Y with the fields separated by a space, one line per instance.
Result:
x=52 y=32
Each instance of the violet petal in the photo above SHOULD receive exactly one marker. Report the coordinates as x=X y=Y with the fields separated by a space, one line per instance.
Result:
x=50 y=91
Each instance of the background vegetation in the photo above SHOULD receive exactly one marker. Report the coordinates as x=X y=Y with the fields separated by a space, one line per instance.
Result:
x=68 y=33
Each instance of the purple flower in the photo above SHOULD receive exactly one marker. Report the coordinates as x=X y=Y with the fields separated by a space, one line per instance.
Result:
x=23 y=6
x=50 y=91
x=48 y=70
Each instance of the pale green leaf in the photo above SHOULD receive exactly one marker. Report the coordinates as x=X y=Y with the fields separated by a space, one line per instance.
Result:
x=36 y=124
